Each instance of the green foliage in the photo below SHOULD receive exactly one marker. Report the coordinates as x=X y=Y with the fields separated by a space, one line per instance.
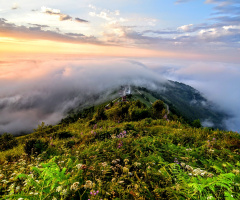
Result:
x=196 y=123
x=158 y=107
x=34 y=146
x=64 y=135
x=123 y=157
x=100 y=114
x=7 y=141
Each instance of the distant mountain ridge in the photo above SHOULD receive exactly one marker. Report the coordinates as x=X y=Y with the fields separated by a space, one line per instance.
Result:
x=188 y=102
x=182 y=100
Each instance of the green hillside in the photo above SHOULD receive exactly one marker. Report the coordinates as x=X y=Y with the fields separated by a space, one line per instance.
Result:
x=182 y=100
x=125 y=151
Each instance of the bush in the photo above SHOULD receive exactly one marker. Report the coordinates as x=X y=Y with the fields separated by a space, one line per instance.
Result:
x=35 y=146
x=100 y=114
x=64 y=135
x=158 y=107
x=7 y=141
x=196 y=123
x=70 y=144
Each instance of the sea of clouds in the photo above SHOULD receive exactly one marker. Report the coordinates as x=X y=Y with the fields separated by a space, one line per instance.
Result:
x=43 y=90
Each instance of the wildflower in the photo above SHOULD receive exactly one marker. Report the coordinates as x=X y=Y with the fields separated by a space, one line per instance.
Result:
x=203 y=173
x=114 y=161
x=136 y=164
x=1 y=176
x=183 y=164
x=113 y=136
x=190 y=174
x=236 y=171
x=74 y=186
x=209 y=197
x=59 y=188
x=54 y=198
x=79 y=166
x=210 y=175
x=88 y=184
x=20 y=198
x=120 y=144
x=104 y=164
x=125 y=170
x=126 y=161
x=130 y=173
x=176 y=161
x=120 y=182
x=94 y=193
x=64 y=192
x=189 y=168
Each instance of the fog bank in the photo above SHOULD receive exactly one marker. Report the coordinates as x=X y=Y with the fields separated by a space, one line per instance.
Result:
x=43 y=91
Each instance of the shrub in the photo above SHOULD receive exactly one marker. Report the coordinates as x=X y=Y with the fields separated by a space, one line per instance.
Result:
x=129 y=127
x=100 y=114
x=7 y=141
x=64 y=135
x=35 y=146
x=158 y=107
x=103 y=135
x=70 y=144
x=196 y=123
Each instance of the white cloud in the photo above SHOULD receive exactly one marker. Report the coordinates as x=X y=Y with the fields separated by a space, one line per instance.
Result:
x=185 y=27
x=50 y=10
x=15 y=6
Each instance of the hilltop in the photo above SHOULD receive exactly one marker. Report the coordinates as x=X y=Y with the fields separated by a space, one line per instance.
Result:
x=181 y=100
x=121 y=150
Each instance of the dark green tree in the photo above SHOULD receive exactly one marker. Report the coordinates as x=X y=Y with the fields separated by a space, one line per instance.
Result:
x=158 y=107
x=100 y=114
x=196 y=123
x=7 y=141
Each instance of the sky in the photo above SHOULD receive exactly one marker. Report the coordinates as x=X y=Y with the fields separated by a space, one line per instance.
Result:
x=43 y=42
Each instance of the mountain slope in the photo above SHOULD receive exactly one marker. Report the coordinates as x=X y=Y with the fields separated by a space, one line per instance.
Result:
x=181 y=99
x=118 y=158
x=189 y=103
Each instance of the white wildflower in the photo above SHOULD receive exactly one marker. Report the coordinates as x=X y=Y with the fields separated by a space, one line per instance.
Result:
x=120 y=182
x=59 y=189
x=79 y=166
x=74 y=186
x=136 y=164
x=104 y=164
x=64 y=192
x=88 y=184
x=125 y=170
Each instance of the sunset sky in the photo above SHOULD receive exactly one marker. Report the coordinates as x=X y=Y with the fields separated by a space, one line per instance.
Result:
x=193 y=29
x=55 y=52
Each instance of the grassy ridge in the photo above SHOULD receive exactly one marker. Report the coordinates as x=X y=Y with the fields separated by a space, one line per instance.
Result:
x=118 y=158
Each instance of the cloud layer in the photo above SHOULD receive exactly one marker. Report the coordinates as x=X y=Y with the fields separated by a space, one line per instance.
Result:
x=51 y=88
